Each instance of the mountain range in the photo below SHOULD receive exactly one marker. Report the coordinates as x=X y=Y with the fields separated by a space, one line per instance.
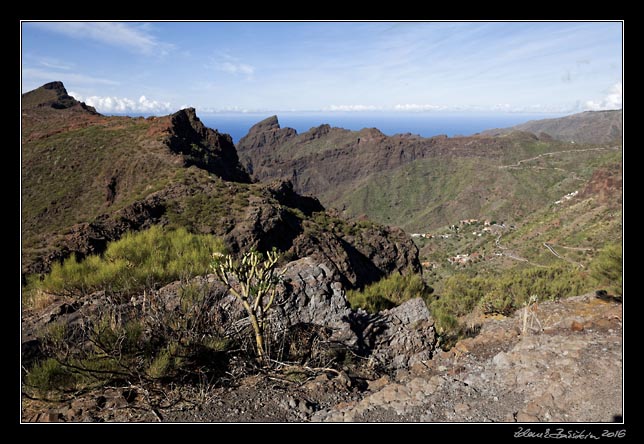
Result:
x=87 y=179
x=586 y=127
x=424 y=183
x=402 y=261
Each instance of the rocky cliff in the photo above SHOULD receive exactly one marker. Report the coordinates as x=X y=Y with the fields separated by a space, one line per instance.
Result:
x=420 y=183
x=204 y=147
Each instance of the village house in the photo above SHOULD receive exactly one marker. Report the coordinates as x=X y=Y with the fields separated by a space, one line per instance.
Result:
x=464 y=259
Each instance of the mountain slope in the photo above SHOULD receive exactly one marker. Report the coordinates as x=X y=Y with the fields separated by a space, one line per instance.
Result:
x=586 y=127
x=87 y=179
x=420 y=183
x=78 y=165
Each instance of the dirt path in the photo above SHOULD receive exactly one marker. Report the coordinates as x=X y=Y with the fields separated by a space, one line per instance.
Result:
x=511 y=254
x=552 y=250
x=518 y=164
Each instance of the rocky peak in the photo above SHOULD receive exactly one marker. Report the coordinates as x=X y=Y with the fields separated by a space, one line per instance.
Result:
x=263 y=135
x=370 y=132
x=56 y=86
x=53 y=95
x=204 y=147
x=268 y=124
x=266 y=132
x=317 y=132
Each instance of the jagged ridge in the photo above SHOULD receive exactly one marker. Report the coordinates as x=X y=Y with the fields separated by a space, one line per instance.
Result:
x=419 y=183
x=123 y=174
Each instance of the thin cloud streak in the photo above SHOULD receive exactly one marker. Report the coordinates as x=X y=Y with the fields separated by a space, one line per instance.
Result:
x=124 y=35
x=31 y=74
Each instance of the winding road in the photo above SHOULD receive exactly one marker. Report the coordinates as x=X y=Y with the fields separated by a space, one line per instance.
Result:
x=518 y=164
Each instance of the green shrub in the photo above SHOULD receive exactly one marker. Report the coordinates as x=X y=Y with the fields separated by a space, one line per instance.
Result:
x=504 y=292
x=389 y=292
x=140 y=342
x=138 y=260
x=606 y=269
x=50 y=375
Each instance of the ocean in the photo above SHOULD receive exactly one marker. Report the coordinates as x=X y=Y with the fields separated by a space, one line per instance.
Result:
x=423 y=124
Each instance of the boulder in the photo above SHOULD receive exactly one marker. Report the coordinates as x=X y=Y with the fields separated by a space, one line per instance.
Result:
x=401 y=337
x=314 y=294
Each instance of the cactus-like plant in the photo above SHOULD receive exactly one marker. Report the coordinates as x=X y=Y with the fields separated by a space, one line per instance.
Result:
x=253 y=281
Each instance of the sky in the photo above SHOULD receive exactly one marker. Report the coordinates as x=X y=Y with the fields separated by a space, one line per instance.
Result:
x=161 y=67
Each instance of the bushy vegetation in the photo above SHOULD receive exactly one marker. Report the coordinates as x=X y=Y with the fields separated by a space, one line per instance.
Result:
x=140 y=342
x=216 y=200
x=607 y=268
x=137 y=261
x=50 y=205
x=502 y=293
x=390 y=292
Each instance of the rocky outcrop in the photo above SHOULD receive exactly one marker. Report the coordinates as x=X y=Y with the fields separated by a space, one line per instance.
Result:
x=92 y=238
x=284 y=192
x=605 y=185
x=314 y=294
x=402 y=337
x=362 y=258
x=263 y=136
x=204 y=147
x=53 y=95
x=552 y=371
x=394 y=339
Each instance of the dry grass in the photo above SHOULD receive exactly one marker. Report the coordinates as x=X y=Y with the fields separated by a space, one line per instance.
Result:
x=37 y=299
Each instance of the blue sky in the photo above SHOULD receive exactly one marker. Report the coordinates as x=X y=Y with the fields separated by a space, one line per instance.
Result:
x=160 y=67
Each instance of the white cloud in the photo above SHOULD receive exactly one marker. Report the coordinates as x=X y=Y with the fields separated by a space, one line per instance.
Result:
x=236 y=68
x=136 y=38
x=353 y=108
x=612 y=100
x=64 y=76
x=51 y=63
x=124 y=105
x=417 y=107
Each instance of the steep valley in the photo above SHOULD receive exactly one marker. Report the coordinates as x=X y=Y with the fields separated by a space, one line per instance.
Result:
x=463 y=279
x=421 y=184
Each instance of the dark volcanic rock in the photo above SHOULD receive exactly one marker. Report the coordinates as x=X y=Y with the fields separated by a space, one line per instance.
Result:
x=403 y=336
x=283 y=192
x=92 y=238
x=363 y=258
x=263 y=136
x=263 y=226
x=205 y=147
x=314 y=295
x=53 y=95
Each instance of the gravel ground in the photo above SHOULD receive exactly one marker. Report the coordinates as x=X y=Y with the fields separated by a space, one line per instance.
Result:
x=566 y=368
